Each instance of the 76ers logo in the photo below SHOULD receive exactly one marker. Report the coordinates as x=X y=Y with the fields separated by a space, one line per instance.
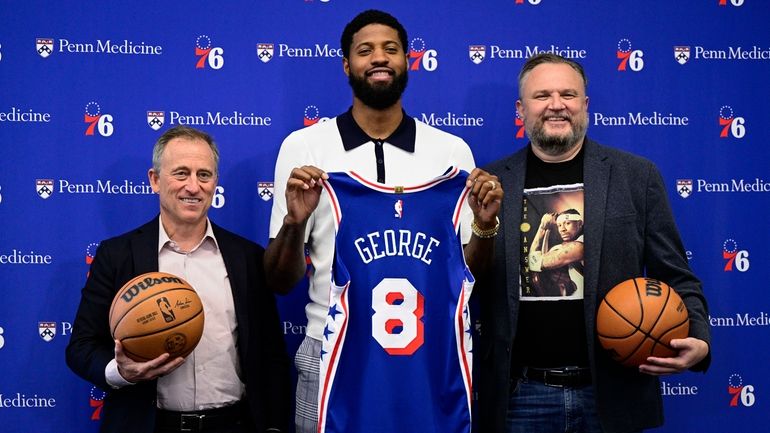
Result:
x=98 y=122
x=731 y=125
x=96 y=401
x=743 y=394
x=312 y=116
x=631 y=59
x=519 y=126
x=736 y=259
x=422 y=58
x=213 y=56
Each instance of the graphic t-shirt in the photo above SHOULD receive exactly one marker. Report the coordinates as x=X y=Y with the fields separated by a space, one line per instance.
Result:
x=551 y=329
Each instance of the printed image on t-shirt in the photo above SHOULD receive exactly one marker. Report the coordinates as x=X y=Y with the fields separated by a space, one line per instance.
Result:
x=552 y=243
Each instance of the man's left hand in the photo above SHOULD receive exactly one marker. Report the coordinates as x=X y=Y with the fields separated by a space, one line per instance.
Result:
x=690 y=351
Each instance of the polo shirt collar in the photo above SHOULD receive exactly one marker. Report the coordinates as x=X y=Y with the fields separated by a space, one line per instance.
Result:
x=353 y=136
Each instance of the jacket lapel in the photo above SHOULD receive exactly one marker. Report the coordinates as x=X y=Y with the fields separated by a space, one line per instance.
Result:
x=596 y=177
x=513 y=185
x=144 y=247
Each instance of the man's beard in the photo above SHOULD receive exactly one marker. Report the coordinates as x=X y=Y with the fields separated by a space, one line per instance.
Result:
x=558 y=144
x=378 y=96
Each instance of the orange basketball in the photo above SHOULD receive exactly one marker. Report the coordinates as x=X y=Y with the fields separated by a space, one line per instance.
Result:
x=156 y=313
x=638 y=318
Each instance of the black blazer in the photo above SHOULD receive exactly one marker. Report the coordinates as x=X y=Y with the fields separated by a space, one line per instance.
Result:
x=630 y=231
x=261 y=348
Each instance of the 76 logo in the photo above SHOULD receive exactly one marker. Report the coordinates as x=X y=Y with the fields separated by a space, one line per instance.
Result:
x=743 y=394
x=519 y=126
x=629 y=58
x=731 y=125
x=98 y=122
x=213 y=56
x=738 y=259
x=420 y=57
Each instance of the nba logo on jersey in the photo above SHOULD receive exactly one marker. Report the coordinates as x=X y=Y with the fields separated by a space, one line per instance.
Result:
x=396 y=346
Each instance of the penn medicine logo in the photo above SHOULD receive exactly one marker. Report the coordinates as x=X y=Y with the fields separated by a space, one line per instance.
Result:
x=46 y=330
x=681 y=54
x=527 y=51
x=156 y=119
x=477 y=53
x=684 y=187
x=265 y=190
x=44 y=188
x=207 y=54
x=98 y=122
x=687 y=187
x=265 y=52
x=44 y=47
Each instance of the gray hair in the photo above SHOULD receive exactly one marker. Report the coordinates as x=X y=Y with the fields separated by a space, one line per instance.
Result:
x=181 y=131
x=541 y=58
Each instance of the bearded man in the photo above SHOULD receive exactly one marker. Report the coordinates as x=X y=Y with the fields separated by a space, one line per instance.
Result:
x=543 y=369
x=376 y=139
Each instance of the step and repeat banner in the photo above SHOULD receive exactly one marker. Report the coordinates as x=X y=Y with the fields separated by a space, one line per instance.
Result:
x=87 y=87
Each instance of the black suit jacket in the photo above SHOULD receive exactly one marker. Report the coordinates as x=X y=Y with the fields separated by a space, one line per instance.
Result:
x=629 y=232
x=261 y=349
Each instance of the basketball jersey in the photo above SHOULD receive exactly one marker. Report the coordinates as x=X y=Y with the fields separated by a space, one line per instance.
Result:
x=397 y=341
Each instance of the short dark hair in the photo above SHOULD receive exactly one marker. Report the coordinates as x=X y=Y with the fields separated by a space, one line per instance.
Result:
x=539 y=59
x=371 y=16
x=181 y=131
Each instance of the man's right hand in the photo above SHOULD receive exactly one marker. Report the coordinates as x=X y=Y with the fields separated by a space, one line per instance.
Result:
x=303 y=191
x=134 y=371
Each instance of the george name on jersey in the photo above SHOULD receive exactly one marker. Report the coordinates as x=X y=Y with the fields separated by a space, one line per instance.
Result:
x=390 y=243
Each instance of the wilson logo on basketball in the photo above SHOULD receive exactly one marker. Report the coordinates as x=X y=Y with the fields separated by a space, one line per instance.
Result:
x=145 y=284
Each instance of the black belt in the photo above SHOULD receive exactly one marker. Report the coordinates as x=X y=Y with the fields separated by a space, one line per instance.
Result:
x=200 y=420
x=564 y=377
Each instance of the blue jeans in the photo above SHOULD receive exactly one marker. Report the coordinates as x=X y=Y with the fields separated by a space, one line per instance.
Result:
x=537 y=408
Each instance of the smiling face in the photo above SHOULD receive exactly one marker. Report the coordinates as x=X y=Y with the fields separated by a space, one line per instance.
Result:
x=376 y=66
x=185 y=182
x=554 y=108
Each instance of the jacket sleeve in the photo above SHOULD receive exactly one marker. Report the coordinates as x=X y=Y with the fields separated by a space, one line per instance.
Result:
x=665 y=259
x=91 y=346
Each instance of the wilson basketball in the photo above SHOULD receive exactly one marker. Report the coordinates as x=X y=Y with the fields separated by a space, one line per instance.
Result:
x=638 y=318
x=156 y=313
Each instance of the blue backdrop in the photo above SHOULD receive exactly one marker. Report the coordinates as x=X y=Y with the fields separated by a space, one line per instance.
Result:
x=87 y=87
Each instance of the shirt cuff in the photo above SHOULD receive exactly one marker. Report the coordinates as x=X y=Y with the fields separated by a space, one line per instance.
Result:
x=113 y=377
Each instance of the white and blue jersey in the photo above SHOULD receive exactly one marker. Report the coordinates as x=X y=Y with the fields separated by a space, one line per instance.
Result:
x=396 y=351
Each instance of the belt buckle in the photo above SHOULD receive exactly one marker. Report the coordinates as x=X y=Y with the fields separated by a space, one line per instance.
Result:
x=546 y=382
x=191 y=422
